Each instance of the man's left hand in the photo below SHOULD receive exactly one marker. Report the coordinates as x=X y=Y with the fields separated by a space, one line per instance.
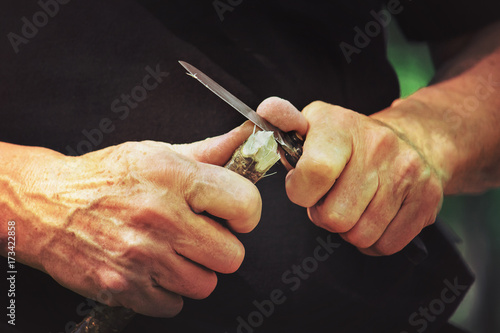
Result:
x=358 y=176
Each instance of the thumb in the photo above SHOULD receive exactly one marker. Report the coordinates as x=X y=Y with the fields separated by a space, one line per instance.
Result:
x=217 y=150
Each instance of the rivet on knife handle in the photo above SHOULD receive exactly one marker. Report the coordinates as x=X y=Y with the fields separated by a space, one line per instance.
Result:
x=293 y=147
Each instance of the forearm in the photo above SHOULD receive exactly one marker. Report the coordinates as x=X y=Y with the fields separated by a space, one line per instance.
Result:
x=455 y=124
x=24 y=172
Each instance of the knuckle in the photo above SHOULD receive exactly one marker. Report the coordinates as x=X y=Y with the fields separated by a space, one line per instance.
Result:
x=340 y=223
x=113 y=292
x=359 y=239
x=385 y=137
x=334 y=221
x=205 y=287
x=133 y=254
x=111 y=282
x=431 y=220
x=118 y=283
x=192 y=181
x=380 y=139
x=173 y=307
x=319 y=169
x=413 y=165
x=369 y=252
x=250 y=201
x=237 y=254
x=387 y=247
x=148 y=212
x=144 y=209
x=314 y=106
x=310 y=181
x=315 y=109
x=128 y=146
x=386 y=134
x=296 y=196
x=411 y=169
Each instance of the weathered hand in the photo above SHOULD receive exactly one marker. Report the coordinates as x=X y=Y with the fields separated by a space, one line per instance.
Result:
x=358 y=177
x=128 y=228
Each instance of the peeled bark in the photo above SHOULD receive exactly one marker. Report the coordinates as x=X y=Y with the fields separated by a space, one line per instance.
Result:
x=255 y=157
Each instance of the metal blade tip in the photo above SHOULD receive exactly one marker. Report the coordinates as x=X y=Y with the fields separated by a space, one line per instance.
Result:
x=186 y=66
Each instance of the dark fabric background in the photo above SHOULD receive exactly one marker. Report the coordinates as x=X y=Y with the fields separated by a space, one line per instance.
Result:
x=433 y=20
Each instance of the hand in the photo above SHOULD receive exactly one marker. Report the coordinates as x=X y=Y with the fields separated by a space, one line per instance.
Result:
x=359 y=177
x=129 y=227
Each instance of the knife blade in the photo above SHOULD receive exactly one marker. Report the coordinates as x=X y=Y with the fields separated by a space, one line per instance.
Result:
x=290 y=142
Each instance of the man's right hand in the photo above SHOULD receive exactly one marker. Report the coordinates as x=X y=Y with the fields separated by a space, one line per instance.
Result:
x=124 y=225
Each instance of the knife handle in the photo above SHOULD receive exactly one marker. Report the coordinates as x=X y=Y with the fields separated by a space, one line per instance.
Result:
x=293 y=147
x=416 y=251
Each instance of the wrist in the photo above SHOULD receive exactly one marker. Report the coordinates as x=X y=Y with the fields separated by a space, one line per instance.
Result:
x=420 y=121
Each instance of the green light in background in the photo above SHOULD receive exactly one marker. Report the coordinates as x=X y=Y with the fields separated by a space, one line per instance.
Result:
x=411 y=61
